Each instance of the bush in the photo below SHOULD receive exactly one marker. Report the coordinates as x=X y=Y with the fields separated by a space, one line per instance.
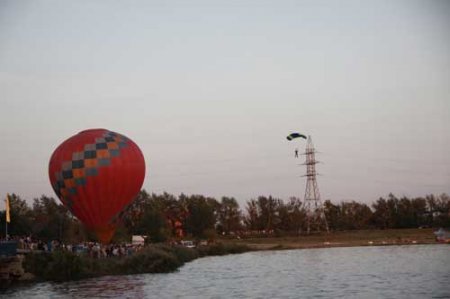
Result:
x=63 y=265
x=36 y=263
x=185 y=254
x=58 y=266
x=150 y=260
x=222 y=249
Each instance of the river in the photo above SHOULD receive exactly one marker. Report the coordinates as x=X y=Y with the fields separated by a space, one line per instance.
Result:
x=414 y=271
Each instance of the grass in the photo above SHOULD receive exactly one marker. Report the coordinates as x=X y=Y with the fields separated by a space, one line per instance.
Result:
x=344 y=238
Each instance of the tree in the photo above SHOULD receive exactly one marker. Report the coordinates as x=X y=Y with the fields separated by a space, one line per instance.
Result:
x=356 y=215
x=251 y=219
x=297 y=215
x=381 y=213
x=176 y=213
x=406 y=213
x=332 y=214
x=51 y=220
x=419 y=207
x=267 y=210
x=202 y=214
x=284 y=223
x=134 y=212
x=21 y=217
x=150 y=217
x=229 y=215
x=442 y=218
x=432 y=208
x=392 y=204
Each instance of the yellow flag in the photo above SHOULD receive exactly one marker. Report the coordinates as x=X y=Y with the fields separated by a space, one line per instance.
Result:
x=8 y=218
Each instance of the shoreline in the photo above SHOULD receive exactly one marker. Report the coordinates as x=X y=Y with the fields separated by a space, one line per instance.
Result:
x=166 y=259
x=268 y=247
x=360 y=238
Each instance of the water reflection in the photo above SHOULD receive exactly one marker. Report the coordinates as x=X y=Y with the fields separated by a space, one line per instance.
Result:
x=127 y=286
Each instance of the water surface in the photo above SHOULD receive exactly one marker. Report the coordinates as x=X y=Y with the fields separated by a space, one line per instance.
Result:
x=419 y=271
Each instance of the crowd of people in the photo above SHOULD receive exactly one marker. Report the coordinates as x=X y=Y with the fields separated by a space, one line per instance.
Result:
x=92 y=249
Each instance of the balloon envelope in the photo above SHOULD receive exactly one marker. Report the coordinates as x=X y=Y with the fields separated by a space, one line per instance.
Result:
x=96 y=174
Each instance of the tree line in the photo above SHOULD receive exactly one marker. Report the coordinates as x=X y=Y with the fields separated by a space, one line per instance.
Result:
x=165 y=216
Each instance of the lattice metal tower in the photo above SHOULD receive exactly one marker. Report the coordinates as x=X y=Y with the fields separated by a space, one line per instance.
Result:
x=315 y=215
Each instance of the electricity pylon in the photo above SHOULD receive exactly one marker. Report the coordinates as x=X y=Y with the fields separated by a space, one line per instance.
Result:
x=315 y=215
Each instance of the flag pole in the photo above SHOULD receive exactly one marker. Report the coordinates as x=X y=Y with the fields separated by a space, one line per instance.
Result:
x=7 y=217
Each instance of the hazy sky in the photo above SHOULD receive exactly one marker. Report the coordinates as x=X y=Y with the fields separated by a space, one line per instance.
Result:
x=210 y=89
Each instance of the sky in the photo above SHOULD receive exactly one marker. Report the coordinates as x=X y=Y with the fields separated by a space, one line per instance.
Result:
x=209 y=90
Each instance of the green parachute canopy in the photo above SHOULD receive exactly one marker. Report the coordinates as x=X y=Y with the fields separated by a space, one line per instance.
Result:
x=295 y=135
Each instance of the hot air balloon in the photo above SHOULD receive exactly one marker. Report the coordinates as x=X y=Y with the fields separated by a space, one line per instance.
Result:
x=96 y=174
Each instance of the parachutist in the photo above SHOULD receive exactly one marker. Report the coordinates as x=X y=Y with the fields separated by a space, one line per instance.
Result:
x=294 y=136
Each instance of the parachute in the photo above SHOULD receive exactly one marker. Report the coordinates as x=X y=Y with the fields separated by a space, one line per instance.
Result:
x=295 y=135
x=96 y=174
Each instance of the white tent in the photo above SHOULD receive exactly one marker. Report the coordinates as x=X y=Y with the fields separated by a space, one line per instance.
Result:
x=138 y=240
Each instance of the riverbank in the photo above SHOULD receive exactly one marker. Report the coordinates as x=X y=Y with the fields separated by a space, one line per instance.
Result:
x=343 y=239
x=64 y=266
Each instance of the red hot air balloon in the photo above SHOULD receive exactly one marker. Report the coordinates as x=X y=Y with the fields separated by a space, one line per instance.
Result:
x=96 y=174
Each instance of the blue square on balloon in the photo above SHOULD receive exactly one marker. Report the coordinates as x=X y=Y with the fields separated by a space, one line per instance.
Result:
x=114 y=152
x=90 y=154
x=91 y=171
x=102 y=145
x=67 y=174
x=80 y=181
x=77 y=164
x=104 y=162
